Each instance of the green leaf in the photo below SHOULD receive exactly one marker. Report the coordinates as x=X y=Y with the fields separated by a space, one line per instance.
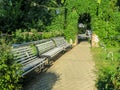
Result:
x=62 y=1
x=99 y=1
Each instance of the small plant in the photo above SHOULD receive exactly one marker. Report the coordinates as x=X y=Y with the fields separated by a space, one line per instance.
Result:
x=34 y=50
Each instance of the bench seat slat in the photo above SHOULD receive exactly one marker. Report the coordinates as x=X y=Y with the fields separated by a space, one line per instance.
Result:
x=33 y=63
x=40 y=64
x=53 y=52
x=27 y=59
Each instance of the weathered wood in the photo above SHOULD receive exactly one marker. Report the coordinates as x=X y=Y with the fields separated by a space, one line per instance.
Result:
x=39 y=54
x=27 y=57
x=61 y=42
x=48 y=49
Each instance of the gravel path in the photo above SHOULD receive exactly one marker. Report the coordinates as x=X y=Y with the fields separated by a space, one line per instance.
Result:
x=73 y=71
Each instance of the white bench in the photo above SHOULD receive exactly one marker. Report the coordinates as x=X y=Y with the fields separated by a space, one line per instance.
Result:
x=61 y=42
x=48 y=49
x=39 y=54
x=26 y=56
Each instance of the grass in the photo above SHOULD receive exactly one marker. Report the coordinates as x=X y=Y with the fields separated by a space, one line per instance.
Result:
x=101 y=57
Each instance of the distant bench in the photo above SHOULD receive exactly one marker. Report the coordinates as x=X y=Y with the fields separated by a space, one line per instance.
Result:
x=62 y=43
x=39 y=54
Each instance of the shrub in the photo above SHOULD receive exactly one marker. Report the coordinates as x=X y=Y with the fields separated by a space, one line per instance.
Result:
x=24 y=36
x=104 y=81
x=116 y=78
x=108 y=73
x=48 y=35
x=109 y=78
x=10 y=72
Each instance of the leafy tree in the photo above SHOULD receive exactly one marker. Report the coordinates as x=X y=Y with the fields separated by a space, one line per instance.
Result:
x=25 y=14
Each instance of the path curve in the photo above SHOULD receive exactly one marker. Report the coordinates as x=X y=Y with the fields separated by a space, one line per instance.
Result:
x=73 y=71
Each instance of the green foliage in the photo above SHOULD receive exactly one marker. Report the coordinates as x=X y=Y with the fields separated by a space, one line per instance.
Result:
x=70 y=33
x=108 y=78
x=106 y=23
x=24 y=14
x=104 y=79
x=48 y=35
x=57 y=23
x=40 y=19
x=116 y=78
x=20 y=37
x=71 y=22
x=106 y=31
x=107 y=69
x=71 y=27
x=10 y=72
x=34 y=49
x=74 y=10
x=10 y=15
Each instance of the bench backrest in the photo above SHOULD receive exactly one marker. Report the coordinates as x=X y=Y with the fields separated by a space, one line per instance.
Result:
x=59 y=41
x=29 y=43
x=46 y=46
x=24 y=54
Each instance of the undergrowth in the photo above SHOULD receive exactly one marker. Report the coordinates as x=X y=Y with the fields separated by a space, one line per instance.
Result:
x=108 y=68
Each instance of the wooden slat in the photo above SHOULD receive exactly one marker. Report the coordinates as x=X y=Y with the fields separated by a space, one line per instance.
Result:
x=46 y=46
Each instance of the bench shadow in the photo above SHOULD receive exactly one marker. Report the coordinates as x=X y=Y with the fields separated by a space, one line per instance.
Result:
x=40 y=81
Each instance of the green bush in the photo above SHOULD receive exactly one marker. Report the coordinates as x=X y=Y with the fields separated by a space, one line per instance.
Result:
x=23 y=36
x=109 y=78
x=10 y=72
x=104 y=80
x=48 y=35
x=116 y=78
x=106 y=23
x=108 y=70
x=106 y=31
x=71 y=30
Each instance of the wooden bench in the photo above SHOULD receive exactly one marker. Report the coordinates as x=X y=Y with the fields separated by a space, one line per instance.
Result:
x=61 y=42
x=28 y=58
x=48 y=49
x=39 y=54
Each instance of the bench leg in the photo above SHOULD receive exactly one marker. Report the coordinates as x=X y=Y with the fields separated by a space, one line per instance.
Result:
x=39 y=69
x=46 y=62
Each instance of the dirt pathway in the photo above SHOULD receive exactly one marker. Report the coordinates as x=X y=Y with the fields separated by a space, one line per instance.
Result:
x=73 y=71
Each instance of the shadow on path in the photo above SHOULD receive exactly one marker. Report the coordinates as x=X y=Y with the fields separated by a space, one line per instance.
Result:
x=40 y=81
x=73 y=71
